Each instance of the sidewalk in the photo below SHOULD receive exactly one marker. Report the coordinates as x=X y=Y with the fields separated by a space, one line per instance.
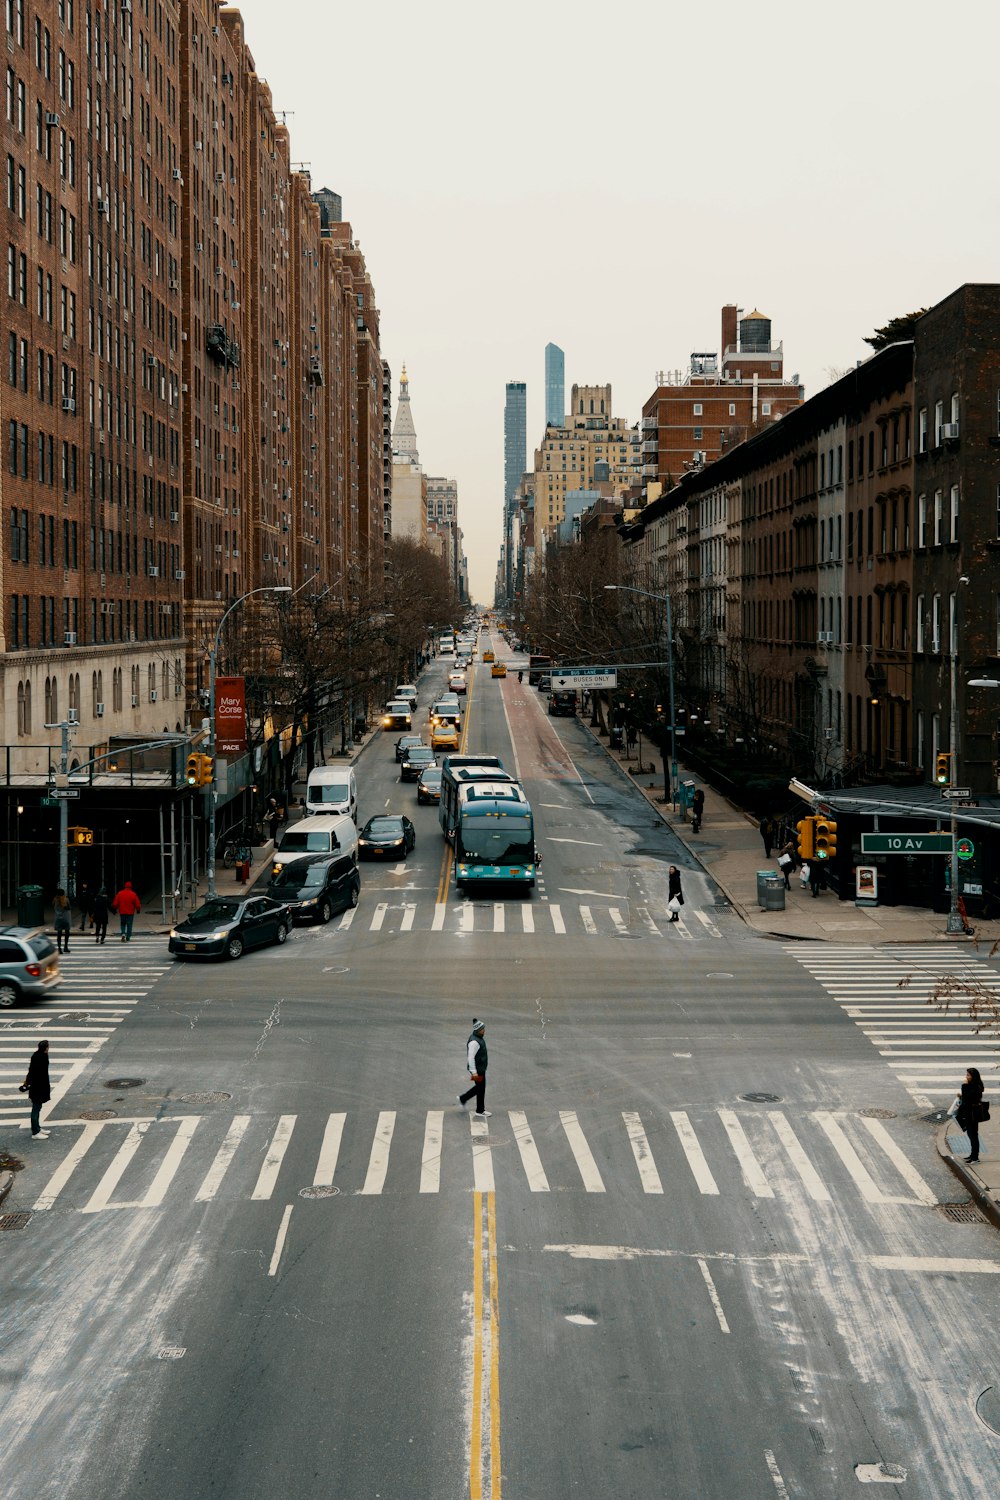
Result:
x=729 y=848
x=983 y=1180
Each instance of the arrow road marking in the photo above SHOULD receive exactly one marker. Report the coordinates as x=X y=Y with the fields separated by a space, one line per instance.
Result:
x=590 y=843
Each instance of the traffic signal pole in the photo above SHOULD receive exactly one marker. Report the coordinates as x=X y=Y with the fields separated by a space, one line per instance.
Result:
x=955 y=923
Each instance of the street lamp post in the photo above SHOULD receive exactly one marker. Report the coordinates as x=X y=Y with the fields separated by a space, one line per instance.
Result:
x=955 y=922
x=270 y=588
x=625 y=588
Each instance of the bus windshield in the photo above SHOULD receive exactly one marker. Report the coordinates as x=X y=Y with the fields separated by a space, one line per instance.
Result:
x=495 y=841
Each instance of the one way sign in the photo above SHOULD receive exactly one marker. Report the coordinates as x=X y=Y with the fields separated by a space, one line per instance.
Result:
x=585 y=677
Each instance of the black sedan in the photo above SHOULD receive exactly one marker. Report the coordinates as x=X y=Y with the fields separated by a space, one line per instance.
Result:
x=415 y=762
x=388 y=836
x=314 y=887
x=429 y=785
x=406 y=742
x=227 y=925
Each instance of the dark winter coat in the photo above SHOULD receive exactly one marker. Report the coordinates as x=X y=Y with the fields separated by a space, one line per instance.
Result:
x=100 y=907
x=674 y=887
x=968 y=1110
x=38 y=1077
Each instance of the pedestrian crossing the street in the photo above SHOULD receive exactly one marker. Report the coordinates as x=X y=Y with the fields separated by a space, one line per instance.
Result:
x=100 y=985
x=792 y=1159
x=626 y=919
x=890 y=993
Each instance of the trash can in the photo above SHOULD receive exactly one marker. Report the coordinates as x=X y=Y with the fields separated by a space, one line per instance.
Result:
x=616 y=738
x=770 y=891
x=30 y=906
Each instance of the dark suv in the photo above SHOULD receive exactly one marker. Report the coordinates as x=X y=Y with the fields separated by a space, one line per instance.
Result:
x=315 y=886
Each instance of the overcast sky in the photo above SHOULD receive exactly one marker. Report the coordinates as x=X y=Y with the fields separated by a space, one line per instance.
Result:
x=607 y=176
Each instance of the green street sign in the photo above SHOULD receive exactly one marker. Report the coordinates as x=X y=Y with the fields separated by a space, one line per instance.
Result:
x=50 y=801
x=906 y=843
x=965 y=848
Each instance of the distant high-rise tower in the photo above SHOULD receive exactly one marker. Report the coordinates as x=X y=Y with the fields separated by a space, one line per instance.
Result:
x=515 y=437
x=555 y=386
x=330 y=207
x=404 y=434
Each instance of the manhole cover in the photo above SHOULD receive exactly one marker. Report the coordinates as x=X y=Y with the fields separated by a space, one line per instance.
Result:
x=762 y=1098
x=98 y=1114
x=124 y=1083
x=961 y=1213
x=13 y=1221
x=877 y=1114
x=988 y=1408
x=319 y=1192
x=218 y=1098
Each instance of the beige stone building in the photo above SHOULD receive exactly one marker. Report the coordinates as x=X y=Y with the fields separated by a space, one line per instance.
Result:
x=409 y=483
x=592 y=445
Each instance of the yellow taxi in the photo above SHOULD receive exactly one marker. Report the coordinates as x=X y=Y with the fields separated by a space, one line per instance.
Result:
x=444 y=737
x=498 y=669
x=488 y=655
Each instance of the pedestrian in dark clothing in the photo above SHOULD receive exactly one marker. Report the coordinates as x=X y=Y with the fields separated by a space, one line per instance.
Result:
x=273 y=816
x=816 y=879
x=477 y=1061
x=675 y=896
x=128 y=906
x=766 y=829
x=697 y=810
x=630 y=738
x=970 y=1110
x=36 y=1086
x=63 y=920
x=786 y=862
x=101 y=908
x=85 y=902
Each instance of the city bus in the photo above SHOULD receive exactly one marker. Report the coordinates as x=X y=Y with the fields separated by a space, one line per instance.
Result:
x=495 y=838
x=464 y=768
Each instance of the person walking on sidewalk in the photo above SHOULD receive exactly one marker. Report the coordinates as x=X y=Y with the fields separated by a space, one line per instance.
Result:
x=969 y=1111
x=816 y=880
x=675 y=896
x=766 y=830
x=63 y=920
x=697 y=810
x=477 y=1061
x=100 y=915
x=85 y=906
x=36 y=1086
x=128 y=906
x=786 y=861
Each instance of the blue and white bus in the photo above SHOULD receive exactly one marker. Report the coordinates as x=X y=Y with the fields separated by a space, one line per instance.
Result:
x=495 y=837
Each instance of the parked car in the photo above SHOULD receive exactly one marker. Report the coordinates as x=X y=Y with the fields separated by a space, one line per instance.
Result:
x=315 y=886
x=226 y=926
x=387 y=836
x=444 y=736
x=562 y=702
x=397 y=714
x=429 y=785
x=415 y=761
x=29 y=966
x=405 y=742
x=545 y=682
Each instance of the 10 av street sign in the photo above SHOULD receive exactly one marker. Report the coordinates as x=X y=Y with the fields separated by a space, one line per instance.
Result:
x=585 y=677
x=906 y=843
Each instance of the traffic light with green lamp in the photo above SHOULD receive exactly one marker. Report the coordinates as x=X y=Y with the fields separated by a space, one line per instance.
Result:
x=826 y=838
x=193 y=772
x=807 y=836
x=942 y=767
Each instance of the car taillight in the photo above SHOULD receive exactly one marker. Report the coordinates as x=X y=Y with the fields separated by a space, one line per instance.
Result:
x=33 y=969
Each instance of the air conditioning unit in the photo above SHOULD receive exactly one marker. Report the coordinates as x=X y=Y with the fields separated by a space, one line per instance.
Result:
x=178 y=573
x=215 y=31
x=126 y=6
x=135 y=700
x=107 y=609
x=949 y=431
x=72 y=716
x=177 y=175
x=153 y=572
x=50 y=118
x=828 y=734
x=152 y=695
x=99 y=710
x=935 y=645
x=220 y=176
x=69 y=404
x=174 y=285
x=199 y=247
x=102 y=205
x=175 y=515
x=198 y=146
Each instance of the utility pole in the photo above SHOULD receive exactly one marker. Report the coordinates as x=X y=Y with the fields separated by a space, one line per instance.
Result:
x=955 y=923
x=64 y=727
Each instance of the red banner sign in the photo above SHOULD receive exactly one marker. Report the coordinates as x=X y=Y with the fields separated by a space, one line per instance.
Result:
x=230 y=716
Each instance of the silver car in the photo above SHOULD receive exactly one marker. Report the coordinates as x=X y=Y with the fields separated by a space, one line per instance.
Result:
x=29 y=968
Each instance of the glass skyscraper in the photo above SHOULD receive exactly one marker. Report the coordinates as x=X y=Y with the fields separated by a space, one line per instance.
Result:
x=555 y=386
x=515 y=437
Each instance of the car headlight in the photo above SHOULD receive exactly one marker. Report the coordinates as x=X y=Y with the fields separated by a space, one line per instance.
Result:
x=311 y=902
x=218 y=936
x=174 y=933
x=387 y=719
x=463 y=869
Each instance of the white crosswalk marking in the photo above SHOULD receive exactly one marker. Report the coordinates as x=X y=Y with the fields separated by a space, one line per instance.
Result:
x=409 y=912
x=589 y=925
x=592 y=1179
x=900 y=1161
x=168 y=1167
x=467 y=916
x=430 y=1159
x=440 y=911
x=648 y=922
x=379 y=916
x=811 y=1179
x=530 y=1159
x=695 y=1155
x=752 y=1173
x=648 y=1175
x=707 y=922
x=527 y=918
x=326 y=1164
x=224 y=1155
x=68 y=1165
x=347 y=919
x=869 y=1189
x=498 y=920
x=482 y=1158
x=378 y=1162
x=101 y=1196
x=620 y=925
x=555 y=912
x=268 y=1176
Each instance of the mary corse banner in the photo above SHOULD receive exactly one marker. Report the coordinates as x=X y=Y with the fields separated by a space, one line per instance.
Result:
x=230 y=715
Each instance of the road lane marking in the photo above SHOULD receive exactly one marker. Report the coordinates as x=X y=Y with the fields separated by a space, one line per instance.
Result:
x=476 y=1424
x=753 y=1174
x=430 y=1158
x=527 y=919
x=100 y=1199
x=589 y=925
x=279 y=1243
x=900 y=1161
x=378 y=1162
x=946 y=1265
x=498 y=921
x=644 y=914
x=707 y=923
x=440 y=908
x=491 y=1231
x=870 y=1190
x=347 y=919
x=695 y=1155
x=555 y=911
x=170 y=1163
x=814 y=1184
x=648 y=1175
x=69 y=1164
x=592 y=1179
x=620 y=926
x=530 y=1159
x=409 y=912
x=329 y=1151
x=467 y=918
x=643 y=1252
x=775 y=1473
x=268 y=1176
x=590 y=843
x=713 y=1294
x=482 y=1159
x=378 y=917
x=224 y=1155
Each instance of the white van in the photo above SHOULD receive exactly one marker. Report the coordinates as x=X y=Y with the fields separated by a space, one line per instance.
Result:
x=332 y=789
x=322 y=835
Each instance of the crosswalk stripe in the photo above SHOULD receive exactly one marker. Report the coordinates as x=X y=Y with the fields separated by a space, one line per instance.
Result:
x=557 y=918
x=648 y=1175
x=589 y=925
x=68 y=1165
x=647 y=919
x=440 y=908
x=378 y=1162
x=869 y=1189
x=680 y=929
x=467 y=918
x=592 y=1179
x=902 y=1164
x=168 y=1167
x=527 y=918
x=326 y=1164
x=749 y=1165
x=430 y=1158
x=811 y=1179
x=268 y=1176
x=217 y=1171
x=620 y=926
x=101 y=1196
x=498 y=917
x=482 y=1158
x=378 y=916
x=695 y=1155
x=347 y=919
x=530 y=1159
x=707 y=922
x=409 y=912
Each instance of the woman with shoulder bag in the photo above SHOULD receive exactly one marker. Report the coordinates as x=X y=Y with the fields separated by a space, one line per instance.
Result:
x=675 y=896
x=970 y=1110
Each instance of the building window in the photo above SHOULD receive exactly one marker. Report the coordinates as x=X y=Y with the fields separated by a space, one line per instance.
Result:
x=697 y=434
x=732 y=408
x=936 y=623
x=697 y=408
x=938 y=518
x=918 y=623
x=938 y=422
x=922 y=426
x=953 y=527
x=922 y=519
x=765 y=408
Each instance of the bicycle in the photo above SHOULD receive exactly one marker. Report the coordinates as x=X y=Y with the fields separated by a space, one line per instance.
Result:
x=235 y=845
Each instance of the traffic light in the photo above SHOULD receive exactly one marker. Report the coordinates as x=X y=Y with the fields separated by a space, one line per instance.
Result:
x=206 y=770
x=807 y=835
x=826 y=838
x=78 y=835
x=193 y=770
x=942 y=767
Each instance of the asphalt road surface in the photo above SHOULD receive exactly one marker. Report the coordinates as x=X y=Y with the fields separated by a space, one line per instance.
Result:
x=697 y=1250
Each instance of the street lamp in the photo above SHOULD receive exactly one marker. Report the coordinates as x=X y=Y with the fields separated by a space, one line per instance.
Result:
x=268 y=588
x=955 y=924
x=625 y=588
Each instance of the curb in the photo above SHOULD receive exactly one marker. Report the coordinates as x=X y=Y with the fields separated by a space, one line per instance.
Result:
x=969 y=1179
x=6 y=1183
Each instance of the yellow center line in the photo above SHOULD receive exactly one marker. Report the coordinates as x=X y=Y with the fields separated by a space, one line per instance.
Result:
x=484 y=1245
x=476 y=1434
x=495 y=1479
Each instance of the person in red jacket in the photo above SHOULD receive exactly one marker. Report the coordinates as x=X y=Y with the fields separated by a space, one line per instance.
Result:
x=126 y=904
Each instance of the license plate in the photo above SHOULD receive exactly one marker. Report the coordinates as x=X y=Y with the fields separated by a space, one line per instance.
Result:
x=190 y=947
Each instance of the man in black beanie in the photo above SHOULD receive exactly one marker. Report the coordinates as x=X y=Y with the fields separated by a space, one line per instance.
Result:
x=477 y=1061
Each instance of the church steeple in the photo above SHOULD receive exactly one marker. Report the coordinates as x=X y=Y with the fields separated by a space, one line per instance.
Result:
x=404 y=434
